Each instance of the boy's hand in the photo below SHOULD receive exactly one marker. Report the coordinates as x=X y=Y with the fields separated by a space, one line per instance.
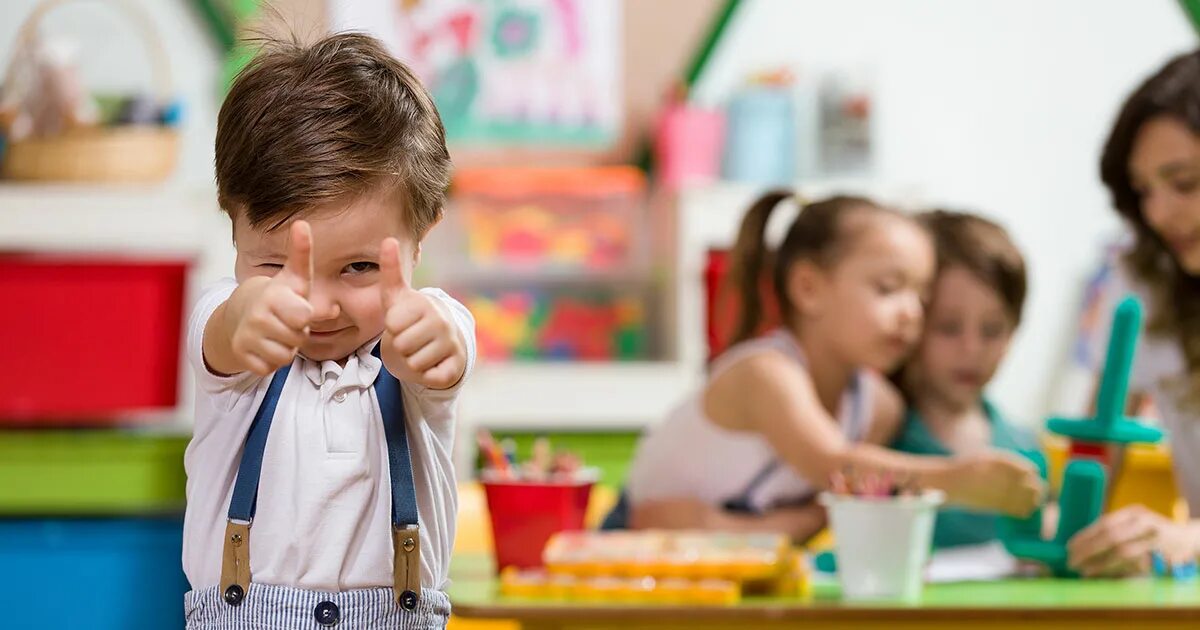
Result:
x=421 y=344
x=270 y=321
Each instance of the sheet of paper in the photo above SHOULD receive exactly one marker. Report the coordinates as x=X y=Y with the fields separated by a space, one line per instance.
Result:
x=971 y=563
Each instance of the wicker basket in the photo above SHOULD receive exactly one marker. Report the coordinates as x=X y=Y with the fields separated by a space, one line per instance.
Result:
x=127 y=153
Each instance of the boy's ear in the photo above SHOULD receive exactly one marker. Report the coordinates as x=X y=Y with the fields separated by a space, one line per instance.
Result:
x=807 y=286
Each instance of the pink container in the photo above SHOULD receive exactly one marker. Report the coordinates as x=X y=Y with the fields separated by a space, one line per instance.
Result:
x=688 y=145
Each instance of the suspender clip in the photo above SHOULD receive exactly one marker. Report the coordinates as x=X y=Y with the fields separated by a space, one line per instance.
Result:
x=406 y=549
x=235 y=562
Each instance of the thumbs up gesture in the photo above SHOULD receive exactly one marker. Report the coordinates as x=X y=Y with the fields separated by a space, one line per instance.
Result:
x=271 y=325
x=421 y=343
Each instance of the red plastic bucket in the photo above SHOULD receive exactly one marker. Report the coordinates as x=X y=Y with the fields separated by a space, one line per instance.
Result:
x=525 y=514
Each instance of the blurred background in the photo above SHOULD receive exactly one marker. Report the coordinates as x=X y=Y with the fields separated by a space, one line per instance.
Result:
x=605 y=151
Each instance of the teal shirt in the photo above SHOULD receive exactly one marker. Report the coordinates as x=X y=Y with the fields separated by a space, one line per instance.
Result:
x=957 y=526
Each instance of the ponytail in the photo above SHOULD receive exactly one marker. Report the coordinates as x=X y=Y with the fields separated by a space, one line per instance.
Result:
x=749 y=258
x=815 y=235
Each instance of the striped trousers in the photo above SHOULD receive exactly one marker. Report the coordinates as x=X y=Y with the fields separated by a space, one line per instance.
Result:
x=269 y=607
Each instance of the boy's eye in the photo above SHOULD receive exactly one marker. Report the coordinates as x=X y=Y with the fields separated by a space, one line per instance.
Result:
x=993 y=331
x=1185 y=186
x=948 y=328
x=361 y=267
x=270 y=266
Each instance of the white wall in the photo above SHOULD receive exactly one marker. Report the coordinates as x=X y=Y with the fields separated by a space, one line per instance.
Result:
x=994 y=105
x=1000 y=106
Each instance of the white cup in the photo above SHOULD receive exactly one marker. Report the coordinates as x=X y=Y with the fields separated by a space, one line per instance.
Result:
x=882 y=543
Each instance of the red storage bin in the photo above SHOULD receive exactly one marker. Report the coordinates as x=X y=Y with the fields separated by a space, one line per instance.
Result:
x=723 y=305
x=86 y=338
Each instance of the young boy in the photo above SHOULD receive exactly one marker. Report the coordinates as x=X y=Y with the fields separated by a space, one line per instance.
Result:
x=975 y=308
x=320 y=487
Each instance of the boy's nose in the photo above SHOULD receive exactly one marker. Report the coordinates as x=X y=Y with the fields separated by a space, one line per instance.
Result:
x=970 y=344
x=324 y=304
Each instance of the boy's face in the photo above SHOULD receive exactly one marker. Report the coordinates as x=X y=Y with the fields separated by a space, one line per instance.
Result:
x=345 y=295
x=966 y=336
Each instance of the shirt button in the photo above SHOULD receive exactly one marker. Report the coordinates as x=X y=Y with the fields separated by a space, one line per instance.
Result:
x=340 y=396
x=327 y=614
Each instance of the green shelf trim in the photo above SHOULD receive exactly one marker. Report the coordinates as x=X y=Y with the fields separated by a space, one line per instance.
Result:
x=609 y=451
x=94 y=472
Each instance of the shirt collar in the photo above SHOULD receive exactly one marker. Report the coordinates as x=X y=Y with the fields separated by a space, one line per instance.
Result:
x=360 y=370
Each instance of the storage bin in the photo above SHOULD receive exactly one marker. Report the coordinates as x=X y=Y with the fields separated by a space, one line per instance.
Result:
x=91 y=337
x=545 y=219
x=722 y=303
x=559 y=323
x=99 y=574
x=90 y=473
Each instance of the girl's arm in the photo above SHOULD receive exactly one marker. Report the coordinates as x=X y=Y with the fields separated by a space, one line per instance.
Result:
x=801 y=522
x=888 y=413
x=769 y=394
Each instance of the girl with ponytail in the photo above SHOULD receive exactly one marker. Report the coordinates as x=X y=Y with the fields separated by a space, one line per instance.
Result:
x=783 y=411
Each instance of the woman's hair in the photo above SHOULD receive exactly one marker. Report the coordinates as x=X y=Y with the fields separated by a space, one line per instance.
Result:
x=984 y=249
x=1174 y=92
x=818 y=234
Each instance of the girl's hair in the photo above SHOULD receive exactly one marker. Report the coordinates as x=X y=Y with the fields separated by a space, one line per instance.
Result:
x=818 y=234
x=1175 y=296
x=982 y=248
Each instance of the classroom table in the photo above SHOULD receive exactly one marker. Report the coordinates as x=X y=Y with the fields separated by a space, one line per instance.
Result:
x=1030 y=604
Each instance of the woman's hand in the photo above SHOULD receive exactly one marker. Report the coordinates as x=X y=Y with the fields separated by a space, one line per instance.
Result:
x=1120 y=544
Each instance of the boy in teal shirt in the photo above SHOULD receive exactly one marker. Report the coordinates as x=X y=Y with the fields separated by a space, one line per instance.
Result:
x=970 y=319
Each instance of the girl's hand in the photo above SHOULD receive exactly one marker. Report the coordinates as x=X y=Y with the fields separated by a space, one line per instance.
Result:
x=1120 y=544
x=994 y=481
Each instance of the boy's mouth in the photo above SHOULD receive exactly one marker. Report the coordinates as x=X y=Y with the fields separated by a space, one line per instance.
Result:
x=321 y=334
x=968 y=377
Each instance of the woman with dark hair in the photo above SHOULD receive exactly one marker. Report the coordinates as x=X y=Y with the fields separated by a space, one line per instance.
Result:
x=1151 y=166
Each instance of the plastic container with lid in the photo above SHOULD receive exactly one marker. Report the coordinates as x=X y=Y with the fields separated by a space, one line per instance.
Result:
x=550 y=219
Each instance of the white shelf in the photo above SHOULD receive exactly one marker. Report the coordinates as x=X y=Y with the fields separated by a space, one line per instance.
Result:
x=128 y=219
x=574 y=395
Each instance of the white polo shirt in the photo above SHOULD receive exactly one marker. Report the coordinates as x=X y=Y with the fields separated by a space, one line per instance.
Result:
x=323 y=520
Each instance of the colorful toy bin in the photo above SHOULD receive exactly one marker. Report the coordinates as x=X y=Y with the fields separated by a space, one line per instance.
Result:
x=579 y=219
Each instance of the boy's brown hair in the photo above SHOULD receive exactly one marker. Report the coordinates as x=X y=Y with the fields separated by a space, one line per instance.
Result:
x=305 y=125
x=984 y=249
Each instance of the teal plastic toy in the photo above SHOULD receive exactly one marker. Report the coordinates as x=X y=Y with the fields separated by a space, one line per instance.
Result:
x=1085 y=479
x=1110 y=425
